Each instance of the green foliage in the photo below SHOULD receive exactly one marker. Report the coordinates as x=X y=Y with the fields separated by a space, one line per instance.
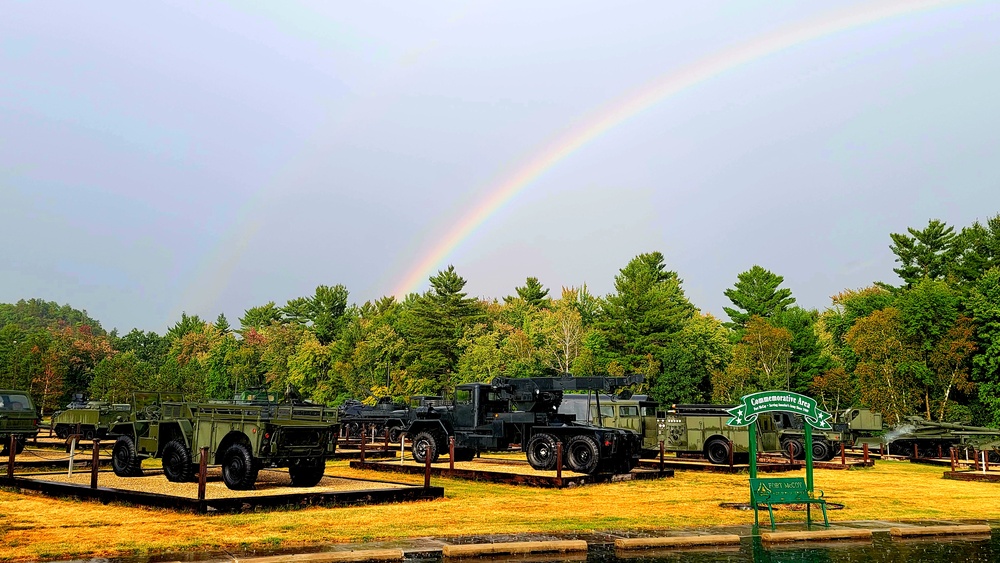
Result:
x=638 y=321
x=326 y=311
x=433 y=326
x=700 y=349
x=532 y=293
x=257 y=318
x=756 y=293
x=808 y=359
x=984 y=303
x=925 y=253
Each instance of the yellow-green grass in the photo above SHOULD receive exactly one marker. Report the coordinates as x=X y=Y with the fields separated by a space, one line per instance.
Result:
x=34 y=526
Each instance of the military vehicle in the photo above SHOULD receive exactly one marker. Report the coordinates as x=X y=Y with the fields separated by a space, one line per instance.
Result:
x=18 y=418
x=928 y=436
x=243 y=436
x=702 y=430
x=384 y=419
x=93 y=418
x=637 y=413
x=792 y=436
x=864 y=426
x=524 y=411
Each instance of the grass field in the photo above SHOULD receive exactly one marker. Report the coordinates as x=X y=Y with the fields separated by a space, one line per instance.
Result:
x=39 y=527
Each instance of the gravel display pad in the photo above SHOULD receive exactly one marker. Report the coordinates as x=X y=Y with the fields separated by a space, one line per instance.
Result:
x=269 y=482
x=506 y=470
x=272 y=489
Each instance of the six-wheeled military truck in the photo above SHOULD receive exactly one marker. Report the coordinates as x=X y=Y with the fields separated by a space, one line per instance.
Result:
x=524 y=412
x=18 y=418
x=702 y=429
x=92 y=418
x=243 y=436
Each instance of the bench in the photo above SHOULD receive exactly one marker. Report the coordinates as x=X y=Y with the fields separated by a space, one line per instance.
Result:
x=772 y=491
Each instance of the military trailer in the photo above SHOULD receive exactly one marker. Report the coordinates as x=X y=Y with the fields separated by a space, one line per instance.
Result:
x=92 y=418
x=524 y=412
x=18 y=418
x=702 y=430
x=243 y=436
x=637 y=413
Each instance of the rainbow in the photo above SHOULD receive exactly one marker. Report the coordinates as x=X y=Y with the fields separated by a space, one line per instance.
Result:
x=618 y=112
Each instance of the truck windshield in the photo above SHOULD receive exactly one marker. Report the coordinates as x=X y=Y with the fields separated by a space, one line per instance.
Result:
x=15 y=403
x=628 y=411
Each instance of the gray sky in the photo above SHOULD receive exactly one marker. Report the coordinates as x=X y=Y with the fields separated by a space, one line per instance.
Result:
x=208 y=157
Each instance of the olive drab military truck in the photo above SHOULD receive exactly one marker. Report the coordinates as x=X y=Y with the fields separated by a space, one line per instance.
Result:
x=637 y=413
x=18 y=418
x=243 y=436
x=702 y=429
x=524 y=411
x=92 y=418
x=792 y=436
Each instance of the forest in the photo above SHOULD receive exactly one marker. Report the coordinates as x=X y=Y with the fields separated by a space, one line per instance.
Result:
x=928 y=344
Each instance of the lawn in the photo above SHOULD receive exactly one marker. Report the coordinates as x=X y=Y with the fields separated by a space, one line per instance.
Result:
x=38 y=527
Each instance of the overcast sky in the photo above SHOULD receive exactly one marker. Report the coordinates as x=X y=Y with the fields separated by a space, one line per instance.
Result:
x=209 y=157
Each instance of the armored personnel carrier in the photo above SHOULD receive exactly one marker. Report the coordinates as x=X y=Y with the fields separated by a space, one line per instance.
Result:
x=93 y=418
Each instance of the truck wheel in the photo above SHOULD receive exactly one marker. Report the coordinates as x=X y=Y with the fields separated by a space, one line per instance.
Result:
x=542 y=452
x=394 y=433
x=177 y=462
x=425 y=445
x=583 y=454
x=125 y=460
x=717 y=452
x=993 y=456
x=88 y=434
x=62 y=432
x=821 y=451
x=307 y=474
x=796 y=448
x=238 y=469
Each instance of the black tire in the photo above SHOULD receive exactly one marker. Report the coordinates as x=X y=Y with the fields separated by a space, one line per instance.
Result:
x=125 y=460
x=62 y=432
x=798 y=450
x=541 y=452
x=307 y=474
x=425 y=444
x=583 y=454
x=822 y=451
x=717 y=451
x=993 y=456
x=176 y=460
x=239 y=471
x=88 y=434
x=394 y=433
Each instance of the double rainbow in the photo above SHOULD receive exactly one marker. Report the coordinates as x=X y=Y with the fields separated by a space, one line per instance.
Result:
x=628 y=107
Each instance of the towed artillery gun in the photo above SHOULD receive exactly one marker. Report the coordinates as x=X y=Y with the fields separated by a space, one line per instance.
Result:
x=93 y=418
x=243 y=436
x=524 y=411
x=18 y=418
x=928 y=436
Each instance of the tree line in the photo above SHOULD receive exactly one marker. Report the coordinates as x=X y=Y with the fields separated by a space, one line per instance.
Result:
x=929 y=345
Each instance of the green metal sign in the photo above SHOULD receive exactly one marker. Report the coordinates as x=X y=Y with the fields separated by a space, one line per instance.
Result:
x=778 y=401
